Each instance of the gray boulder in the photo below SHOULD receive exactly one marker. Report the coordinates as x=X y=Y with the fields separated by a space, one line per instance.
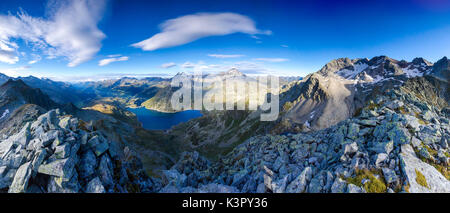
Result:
x=351 y=188
x=105 y=171
x=59 y=167
x=390 y=176
x=20 y=182
x=394 y=104
x=62 y=151
x=385 y=147
x=279 y=186
x=411 y=166
x=95 y=186
x=88 y=163
x=339 y=186
x=98 y=144
x=300 y=183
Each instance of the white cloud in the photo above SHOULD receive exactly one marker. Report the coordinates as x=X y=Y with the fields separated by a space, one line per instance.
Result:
x=185 y=29
x=271 y=59
x=284 y=45
x=14 y=72
x=111 y=59
x=8 y=57
x=168 y=65
x=70 y=31
x=36 y=58
x=188 y=65
x=225 y=56
x=247 y=67
x=8 y=52
x=106 y=76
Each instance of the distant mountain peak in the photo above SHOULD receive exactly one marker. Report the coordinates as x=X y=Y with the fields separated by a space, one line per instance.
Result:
x=232 y=72
x=18 y=91
x=380 y=68
x=181 y=74
x=419 y=61
x=441 y=69
x=11 y=83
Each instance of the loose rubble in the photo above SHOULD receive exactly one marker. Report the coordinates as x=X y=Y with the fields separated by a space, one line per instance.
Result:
x=375 y=151
x=58 y=153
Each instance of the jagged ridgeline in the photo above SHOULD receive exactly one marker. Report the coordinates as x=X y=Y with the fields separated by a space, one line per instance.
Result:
x=378 y=125
x=356 y=125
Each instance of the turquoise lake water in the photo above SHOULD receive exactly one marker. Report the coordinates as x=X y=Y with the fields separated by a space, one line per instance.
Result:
x=154 y=120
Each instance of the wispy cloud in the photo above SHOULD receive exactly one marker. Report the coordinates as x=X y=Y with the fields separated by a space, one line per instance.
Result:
x=8 y=52
x=14 y=72
x=271 y=59
x=168 y=65
x=188 y=65
x=186 y=29
x=225 y=56
x=106 y=76
x=36 y=58
x=70 y=31
x=247 y=67
x=109 y=60
x=284 y=45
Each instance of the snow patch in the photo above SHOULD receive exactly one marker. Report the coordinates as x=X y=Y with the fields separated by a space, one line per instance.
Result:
x=312 y=114
x=411 y=72
x=351 y=74
x=5 y=113
x=307 y=124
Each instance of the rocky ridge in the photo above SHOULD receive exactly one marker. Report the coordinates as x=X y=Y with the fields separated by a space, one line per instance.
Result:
x=395 y=143
x=342 y=86
x=59 y=153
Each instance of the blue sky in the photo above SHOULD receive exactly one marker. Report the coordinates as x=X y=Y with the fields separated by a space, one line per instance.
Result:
x=94 y=39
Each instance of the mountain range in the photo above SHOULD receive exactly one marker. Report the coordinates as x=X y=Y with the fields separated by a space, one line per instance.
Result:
x=356 y=125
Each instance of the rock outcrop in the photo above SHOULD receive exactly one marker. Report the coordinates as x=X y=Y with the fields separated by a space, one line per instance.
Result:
x=342 y=86
x=59 y=153
x=395 y=143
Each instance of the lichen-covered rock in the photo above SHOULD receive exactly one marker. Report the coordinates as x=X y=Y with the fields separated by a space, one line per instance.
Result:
x=436 y=182
x=370 y=152
x=390 y=176
x=20 y=182
x=62 y=151
x=98 y=144
x=60 y=167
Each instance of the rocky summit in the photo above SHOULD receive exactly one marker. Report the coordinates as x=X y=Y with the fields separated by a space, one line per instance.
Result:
x=396 y=140
x=395 y=144
x=356 y=126
x=58 y=153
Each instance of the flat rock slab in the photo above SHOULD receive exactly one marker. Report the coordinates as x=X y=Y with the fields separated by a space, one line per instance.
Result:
x=20 y=182
x=57 y=168
x=435 y=180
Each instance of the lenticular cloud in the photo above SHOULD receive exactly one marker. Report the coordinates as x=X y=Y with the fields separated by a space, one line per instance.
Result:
x=185 y=29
